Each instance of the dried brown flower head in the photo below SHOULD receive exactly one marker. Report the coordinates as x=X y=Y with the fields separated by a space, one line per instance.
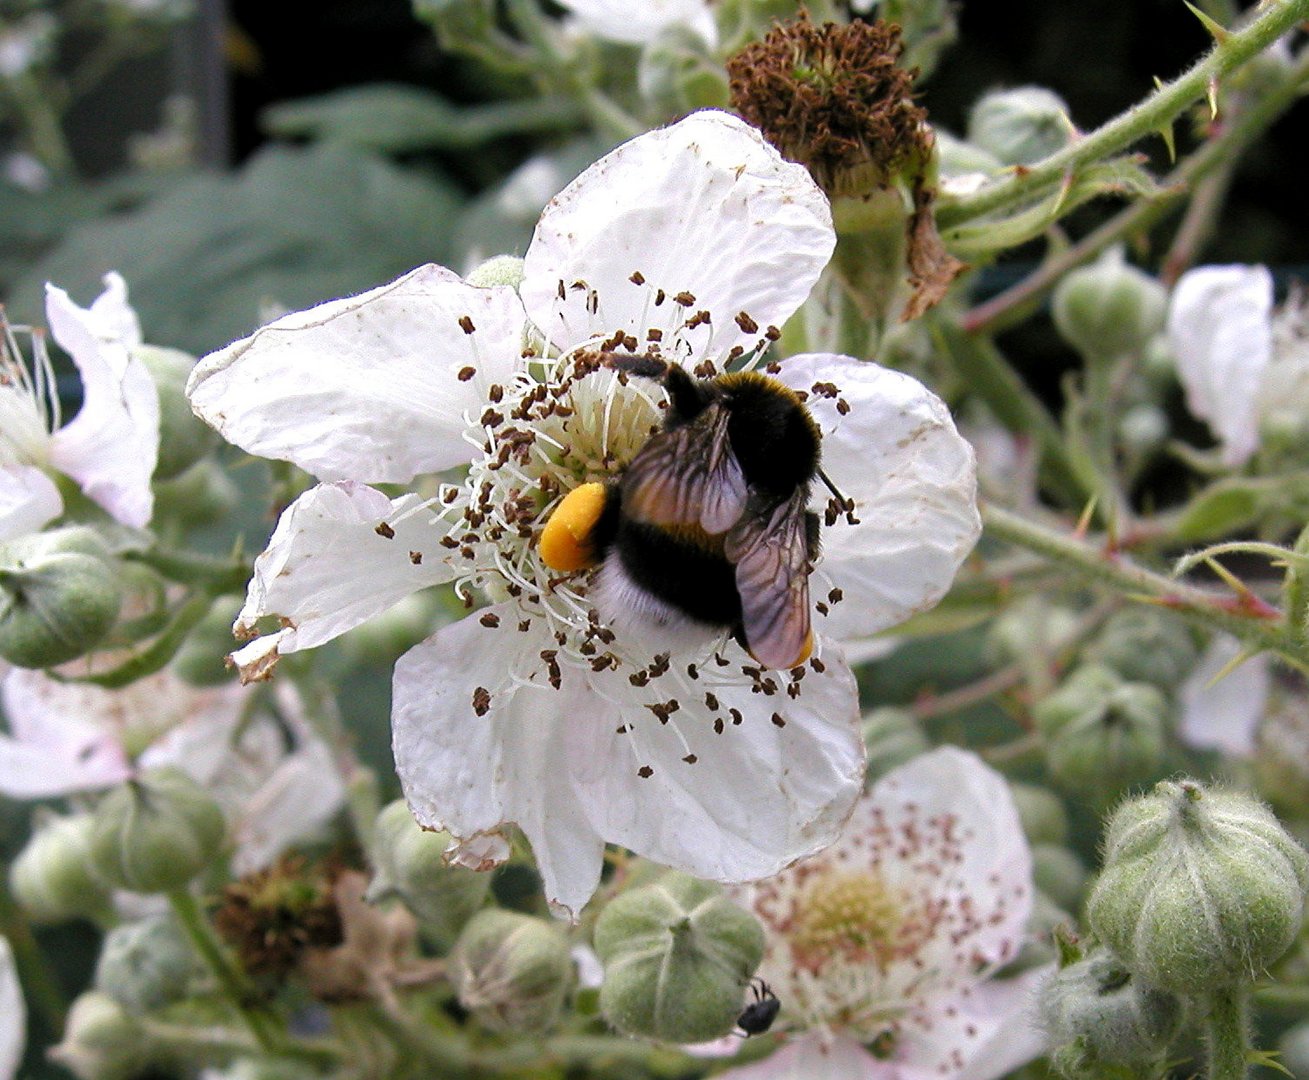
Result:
x=835 y=99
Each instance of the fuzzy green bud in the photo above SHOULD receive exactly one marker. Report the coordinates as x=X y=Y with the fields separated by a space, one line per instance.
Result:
x=155 y=833
x=183 y=437
x=1146 y=645
x=410 y=864
x=512 y=971
x=1042 y=813
x=1200 y=888
x=1102 y=734
x=52 y=877
x=202 y=659
x=498 y=270
x=202 y=495
x=893 y=736
x=1101 y=1015
x=1059 y=874
x=1021 y=125
x=1109 y=309
x=101 y=1040
x=676 y=956
x=146 y=965
x=59 y=597
x=1031 y=628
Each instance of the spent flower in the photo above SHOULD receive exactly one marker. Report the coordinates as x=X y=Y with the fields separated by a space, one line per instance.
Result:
x=695 y=241
x=884 y=945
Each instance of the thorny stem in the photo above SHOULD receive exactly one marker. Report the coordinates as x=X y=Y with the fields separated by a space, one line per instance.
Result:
x=1243 y=615
x=1007 y=307
x=231 y=980
x=1153 y=114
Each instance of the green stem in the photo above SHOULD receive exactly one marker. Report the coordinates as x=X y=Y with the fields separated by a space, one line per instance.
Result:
x=231 y=980
x=1245 y=617
x=40 y=989
x=1153 y=114
x=1227 y=1034
x=1009 y=306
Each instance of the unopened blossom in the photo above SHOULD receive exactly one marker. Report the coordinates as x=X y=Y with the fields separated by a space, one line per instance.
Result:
x=696 y=241
x=66 y=738
x=1244 y=365
x=882 y=948
x=13 y=1014
x=110 y=447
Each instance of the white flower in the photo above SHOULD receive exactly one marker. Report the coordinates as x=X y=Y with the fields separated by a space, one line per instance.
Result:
x=1224 y=715
x=65 y=738
x=110 y=447
x=636 y=22
x=13 y=1014
x=889 y=938
x=532 y=711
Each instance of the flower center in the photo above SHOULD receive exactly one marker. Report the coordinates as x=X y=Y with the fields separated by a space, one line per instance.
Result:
x=29 y=403
x=849 y=915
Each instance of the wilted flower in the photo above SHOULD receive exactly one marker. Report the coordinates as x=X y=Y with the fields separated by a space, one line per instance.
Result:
x=884 y=945
x=66 y=738
x=110 y=447
x=533 y=711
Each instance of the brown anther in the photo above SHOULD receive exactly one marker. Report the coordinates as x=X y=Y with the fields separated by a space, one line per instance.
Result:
x=416 y=557
x=684 y=298
x=637 y=278
x=747 y=324
x=481 y=701
x=645 y=772
x=384 y=530
x=466 y=373
x=466 y=324
x=777 y=720
x=490 y=619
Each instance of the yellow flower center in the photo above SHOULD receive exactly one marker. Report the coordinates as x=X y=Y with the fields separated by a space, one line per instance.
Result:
x=850 y=915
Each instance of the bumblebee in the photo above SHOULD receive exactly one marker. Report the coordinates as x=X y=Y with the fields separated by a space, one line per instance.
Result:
x=709 y=527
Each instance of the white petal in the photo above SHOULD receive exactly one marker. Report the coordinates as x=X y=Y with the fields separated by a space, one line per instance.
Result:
x=13 y=1014
x=706 y=207
x=327 y=569
x=1220 y=330
x=755 y=798
x=1224 y=715
x=982 y=1034
x=61 y=740
x=637 y=22
x=28 y=499
x=817 y=1055
x=367 y=387
x=110 y=447
x=111 y=317
x=471 y=774
x=994 y=868
x=896 y=453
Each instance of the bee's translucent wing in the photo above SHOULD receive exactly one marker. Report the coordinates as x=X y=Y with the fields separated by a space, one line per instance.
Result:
x=770 y=550
x=687 y=476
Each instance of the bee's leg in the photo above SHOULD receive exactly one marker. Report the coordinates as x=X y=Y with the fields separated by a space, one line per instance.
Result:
x=813 y=536
x=581 y=528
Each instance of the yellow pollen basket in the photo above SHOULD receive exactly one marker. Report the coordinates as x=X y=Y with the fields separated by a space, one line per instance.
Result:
x=565 y=543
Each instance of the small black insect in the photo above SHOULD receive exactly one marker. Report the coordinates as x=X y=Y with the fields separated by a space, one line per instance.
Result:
x=758 y=1016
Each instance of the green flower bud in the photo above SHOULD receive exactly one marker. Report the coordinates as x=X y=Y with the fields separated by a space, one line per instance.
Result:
x=101 y=1040
x=676 y=74
x=1109 y=309
x=1102 y=734
x=410 y=864
x=1020 y=126
x=385 y=636
x=893 y=737
x=155 y=833
x=146 y=965
x=183 y=437
x=676 y=957
x=499 y=270
x=52 y=877
x=1042 y=813
x=57 y=601
x=202 y=659
x=202 y=495
x=1293 y=1048
x=1059 y=874
x=511 y=971
x=1200 y=888
x=1103 y=1016
x=1147 y=645
x=1031 y=628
